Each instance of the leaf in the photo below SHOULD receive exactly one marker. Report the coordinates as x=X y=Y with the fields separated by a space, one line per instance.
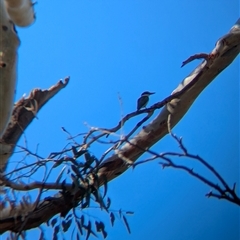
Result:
x=78 y=238
x=112 y=218
x=70 y=215
x=97 y=226
x=88 y=230
x=80 y=227
x=73 y=177
x=41 y=237
x=82 y=220
x=63 y=224
x=66 y=225
x=129 y=212
x=120 y=212
x=56 y=229
x=55 y=233
x=99 y=198
x=101 y=228
x=104 y=233
x=84 y=205
x=53 y=222
x=105 y=186
x=126 y=224
x=87 y=201
x=108 y=203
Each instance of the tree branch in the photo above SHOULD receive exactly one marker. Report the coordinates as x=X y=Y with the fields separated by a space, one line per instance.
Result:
x=23 y=113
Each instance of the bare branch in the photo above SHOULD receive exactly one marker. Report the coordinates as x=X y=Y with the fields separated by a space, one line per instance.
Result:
x=22 y=117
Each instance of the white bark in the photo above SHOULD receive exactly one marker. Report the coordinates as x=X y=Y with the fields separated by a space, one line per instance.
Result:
x=9 y=43
x=22 y=117
x=20 y=11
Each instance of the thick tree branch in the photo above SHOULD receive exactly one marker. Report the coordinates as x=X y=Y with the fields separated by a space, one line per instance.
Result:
x=9 y=43
x=23 y=113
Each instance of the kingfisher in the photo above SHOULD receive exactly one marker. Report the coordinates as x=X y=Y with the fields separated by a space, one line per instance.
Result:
x=143 y=100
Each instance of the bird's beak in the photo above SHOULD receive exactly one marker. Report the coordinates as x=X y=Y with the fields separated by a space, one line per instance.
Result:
x=152 y=93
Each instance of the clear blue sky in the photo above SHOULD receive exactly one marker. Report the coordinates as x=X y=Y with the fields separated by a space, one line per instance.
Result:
x=127 y=47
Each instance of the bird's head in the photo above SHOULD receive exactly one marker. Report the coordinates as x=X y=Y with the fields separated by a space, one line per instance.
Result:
x=147 y=93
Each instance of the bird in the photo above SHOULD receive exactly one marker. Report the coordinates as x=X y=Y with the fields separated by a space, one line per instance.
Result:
x=143 y=100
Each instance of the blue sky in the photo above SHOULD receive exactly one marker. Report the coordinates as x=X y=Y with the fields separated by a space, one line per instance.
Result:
x=126 y=47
